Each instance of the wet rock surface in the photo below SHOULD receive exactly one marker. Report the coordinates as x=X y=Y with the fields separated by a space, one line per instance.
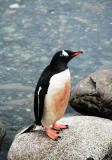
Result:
x=88 y=138
x=93 y=94
x=2 y=133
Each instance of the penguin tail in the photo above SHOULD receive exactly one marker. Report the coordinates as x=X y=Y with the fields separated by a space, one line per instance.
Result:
x=29 y=129
x=32 y=127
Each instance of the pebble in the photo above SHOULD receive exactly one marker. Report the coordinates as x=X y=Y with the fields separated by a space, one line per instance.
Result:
x=16 y=5
x=29 y=95
x=107 y=42
x=9 y=98
x=26 y=56
x=28 y=110
x=19 y=118
x=95 y=29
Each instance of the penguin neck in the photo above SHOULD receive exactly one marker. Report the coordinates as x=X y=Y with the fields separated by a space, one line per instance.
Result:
x=58 y=67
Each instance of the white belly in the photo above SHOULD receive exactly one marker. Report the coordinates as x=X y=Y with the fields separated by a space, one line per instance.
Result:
x=58 y=94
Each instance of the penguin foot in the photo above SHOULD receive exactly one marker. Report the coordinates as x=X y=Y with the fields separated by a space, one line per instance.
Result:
x=52 y=134
x=59 y=127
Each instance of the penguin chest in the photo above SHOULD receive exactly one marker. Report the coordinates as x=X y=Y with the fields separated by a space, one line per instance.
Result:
x=60 y=100
x=56 y=99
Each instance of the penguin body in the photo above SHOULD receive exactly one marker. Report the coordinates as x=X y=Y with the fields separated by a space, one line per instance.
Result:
x=52 y=93
x=56 y=99
x=45 y=89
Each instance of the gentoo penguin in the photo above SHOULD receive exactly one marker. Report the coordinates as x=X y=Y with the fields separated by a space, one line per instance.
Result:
x=52 y=93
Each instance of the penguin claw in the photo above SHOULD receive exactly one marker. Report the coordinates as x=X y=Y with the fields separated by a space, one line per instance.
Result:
x=52 y=134
x=58 y=131
x=67 y=126
x=60 y=127
x=57 y=138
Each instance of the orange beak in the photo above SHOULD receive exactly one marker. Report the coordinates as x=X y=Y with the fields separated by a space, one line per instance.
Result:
x=77 y=53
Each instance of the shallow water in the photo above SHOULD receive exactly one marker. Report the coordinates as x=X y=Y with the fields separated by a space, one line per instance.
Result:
x=30 y=33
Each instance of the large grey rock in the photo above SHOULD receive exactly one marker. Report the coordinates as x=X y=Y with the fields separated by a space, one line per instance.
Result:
x=93 y=94
x=2 y=133
x=88 y=138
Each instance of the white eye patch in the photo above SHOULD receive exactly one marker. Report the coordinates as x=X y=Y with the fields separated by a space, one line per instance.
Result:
x=64 y=53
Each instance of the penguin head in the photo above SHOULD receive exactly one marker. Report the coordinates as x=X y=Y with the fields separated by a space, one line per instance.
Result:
x=63 y=57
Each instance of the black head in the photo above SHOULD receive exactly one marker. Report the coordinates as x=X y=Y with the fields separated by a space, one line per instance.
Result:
x=62 y=58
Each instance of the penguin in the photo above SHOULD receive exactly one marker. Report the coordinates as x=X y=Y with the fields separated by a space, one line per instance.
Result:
x=52 y=94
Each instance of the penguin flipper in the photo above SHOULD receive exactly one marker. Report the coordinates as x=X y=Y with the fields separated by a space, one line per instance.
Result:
x=39 y=97
x=40 y=93
x=39 y=104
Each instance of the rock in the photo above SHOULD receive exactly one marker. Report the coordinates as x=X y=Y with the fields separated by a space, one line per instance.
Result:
x=88 y=138
x=14 y=6
x=93 y=94
x=2 y=133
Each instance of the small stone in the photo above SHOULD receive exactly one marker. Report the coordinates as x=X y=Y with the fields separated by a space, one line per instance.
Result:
x=9 y=98
x=28 y=110
x=16 y=5
x=95 y=29
x=20 y=94
x=45 y=29
x=19 y=118
x=51 y=11
x=107 y=42
x=29 y=95
x=2 y=133
x=87 y=29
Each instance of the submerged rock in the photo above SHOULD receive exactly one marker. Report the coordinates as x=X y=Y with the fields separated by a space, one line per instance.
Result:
x=2 y=133
x=86 y=138
x=93 y=94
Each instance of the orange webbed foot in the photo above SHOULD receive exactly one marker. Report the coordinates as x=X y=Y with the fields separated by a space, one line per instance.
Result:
x=59 y=127
x=52 y=134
